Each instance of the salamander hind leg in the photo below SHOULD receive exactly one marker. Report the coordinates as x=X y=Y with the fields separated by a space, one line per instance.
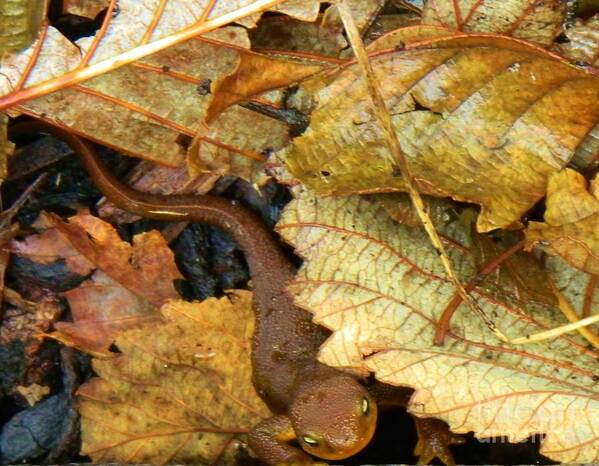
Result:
x=434 y=439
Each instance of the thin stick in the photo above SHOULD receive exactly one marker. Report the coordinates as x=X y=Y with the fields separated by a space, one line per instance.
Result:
x=399 y=159
x=572 y=316
x=556 y=332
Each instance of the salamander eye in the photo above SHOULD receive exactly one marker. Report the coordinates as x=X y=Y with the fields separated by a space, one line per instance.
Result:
x=310 y=440
x=365 y=406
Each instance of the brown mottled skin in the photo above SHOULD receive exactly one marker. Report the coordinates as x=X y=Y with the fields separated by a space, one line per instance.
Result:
x=328 y=412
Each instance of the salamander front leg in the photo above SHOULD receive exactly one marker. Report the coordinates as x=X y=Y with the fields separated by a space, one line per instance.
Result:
x=269 y=442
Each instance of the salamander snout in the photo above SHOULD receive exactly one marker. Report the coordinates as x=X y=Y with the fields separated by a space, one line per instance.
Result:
x=333 y=418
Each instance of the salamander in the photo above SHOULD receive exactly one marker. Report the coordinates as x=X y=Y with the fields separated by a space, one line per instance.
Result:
x=327 y=412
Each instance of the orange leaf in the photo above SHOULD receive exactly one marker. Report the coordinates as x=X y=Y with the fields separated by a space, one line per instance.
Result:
x=127 y=283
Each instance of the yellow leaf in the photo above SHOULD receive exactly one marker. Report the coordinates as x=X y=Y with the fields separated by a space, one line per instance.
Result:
x=483 y=120
x=538 y=22
x=571 y=221
x=180 y=391
x=380 y=288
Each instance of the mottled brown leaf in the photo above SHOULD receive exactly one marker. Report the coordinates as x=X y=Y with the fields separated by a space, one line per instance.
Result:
x=583 y=45
x=85 y=8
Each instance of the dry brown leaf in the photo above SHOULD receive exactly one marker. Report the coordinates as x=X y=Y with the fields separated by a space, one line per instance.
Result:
x=283 y=34
x=254 y=75
x=381 y=288
x=20 y=23
x=128 y=283
x=571 y=227
x=85 y=8
x=531 y=20
x=131 y=30
x=480 y=119
x=180 y=392
x=583 y=45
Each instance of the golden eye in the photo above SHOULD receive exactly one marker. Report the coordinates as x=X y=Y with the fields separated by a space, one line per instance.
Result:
x=310 y=440
x=365 y=406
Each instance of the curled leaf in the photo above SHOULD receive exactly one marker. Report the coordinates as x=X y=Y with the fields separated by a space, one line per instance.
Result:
x=571 y=221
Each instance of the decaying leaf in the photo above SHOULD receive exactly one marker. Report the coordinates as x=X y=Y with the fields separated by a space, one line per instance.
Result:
x=180 y=392
x=483 y=120
x=130 y=31
x=127 y=284
x=20 y=23
x=571 y=227
x=534 y=21
x=362 y=12
x=583 y=45
x=380 y=288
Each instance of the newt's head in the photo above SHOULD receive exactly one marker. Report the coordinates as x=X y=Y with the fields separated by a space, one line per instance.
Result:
x=333 y=418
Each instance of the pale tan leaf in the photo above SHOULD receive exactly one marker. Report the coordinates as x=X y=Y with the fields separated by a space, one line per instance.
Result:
x=131 y=30
x=535 y=21
x=180 y=391
x=380 y=288
x=483 y=120
x=571 y=227
x=363 y=13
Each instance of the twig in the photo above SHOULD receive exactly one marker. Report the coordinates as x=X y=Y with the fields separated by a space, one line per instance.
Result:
x=443 y=323
x=399 y=159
